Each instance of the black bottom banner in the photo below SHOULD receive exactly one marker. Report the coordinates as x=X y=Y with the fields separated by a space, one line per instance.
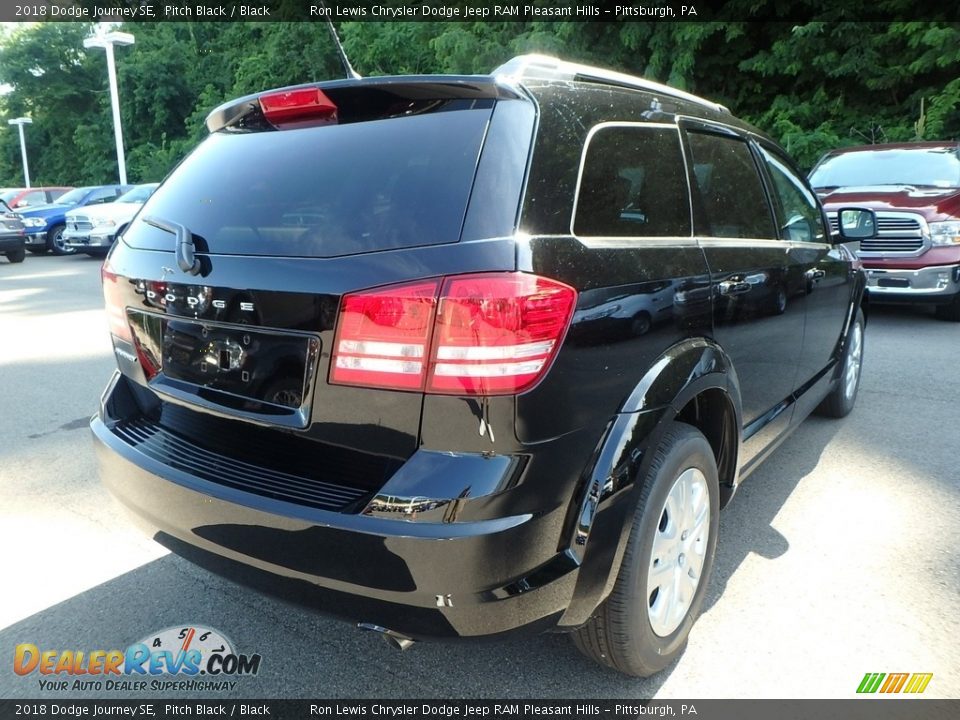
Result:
x=854 y=709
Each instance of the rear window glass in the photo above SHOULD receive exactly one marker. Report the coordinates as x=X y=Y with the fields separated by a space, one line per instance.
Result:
x=323 y=191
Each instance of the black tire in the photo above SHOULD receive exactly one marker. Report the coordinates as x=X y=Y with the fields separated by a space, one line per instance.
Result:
x=951 y=311
x=843 y=397
x=778 y=304
x=17 y=256
x=621 y=635
x=37 y=250
x=641 y=324
x=55 y=241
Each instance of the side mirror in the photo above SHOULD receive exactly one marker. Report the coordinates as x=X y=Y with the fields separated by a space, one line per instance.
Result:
x=22 y=204
x=856 y=224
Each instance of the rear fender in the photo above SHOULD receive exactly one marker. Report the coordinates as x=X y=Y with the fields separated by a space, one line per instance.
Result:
x=602 y=517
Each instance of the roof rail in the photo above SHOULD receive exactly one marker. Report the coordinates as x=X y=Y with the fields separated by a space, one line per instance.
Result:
x=545 y=67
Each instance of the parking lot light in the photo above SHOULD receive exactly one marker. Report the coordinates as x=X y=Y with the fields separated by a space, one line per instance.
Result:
x=107 y=41
x=20 y=122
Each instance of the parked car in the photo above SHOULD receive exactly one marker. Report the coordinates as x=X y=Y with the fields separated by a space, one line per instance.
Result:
x=344 y=376
x=915 y=190
x=22 y=198
x=92 y=229
x=11 y=234
x=45 y=223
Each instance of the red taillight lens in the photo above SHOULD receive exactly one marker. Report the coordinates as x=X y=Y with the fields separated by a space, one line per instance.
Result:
x=113 y=298
x=486 y=334
x=295 y=106
x=383 y=336
x=496 y=334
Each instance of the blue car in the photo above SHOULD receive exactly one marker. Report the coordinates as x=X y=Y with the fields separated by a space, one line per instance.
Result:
x=44 y=224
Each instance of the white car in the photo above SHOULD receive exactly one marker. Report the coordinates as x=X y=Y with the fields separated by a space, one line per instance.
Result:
x=92 y=229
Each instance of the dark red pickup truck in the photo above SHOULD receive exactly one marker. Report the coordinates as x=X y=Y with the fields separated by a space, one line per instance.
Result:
x=915 y=190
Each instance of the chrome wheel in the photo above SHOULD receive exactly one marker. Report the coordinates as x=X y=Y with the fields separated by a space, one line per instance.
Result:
x=679 y=550
x=57 y=243
x=854 y=355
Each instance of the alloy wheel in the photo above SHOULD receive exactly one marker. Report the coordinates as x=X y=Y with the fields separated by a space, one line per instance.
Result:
x=679 y=550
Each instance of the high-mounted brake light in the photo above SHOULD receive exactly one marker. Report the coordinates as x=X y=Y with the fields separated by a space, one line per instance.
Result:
x=486 y=334
x=295 y=106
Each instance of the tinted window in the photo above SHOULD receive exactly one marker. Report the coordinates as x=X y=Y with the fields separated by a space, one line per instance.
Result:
x=105 y=195
x=37 y=197
x=633 y=184
x=729 y=189
x=139 y=194
x=797 y=211
x=323 y=191
x=924 y=167
x=74 y=196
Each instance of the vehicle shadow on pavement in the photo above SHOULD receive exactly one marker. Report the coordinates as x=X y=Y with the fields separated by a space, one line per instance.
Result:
x=304 y=654
x=746 y=524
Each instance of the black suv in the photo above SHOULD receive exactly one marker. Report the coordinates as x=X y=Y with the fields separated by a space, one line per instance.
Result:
x=452 y=356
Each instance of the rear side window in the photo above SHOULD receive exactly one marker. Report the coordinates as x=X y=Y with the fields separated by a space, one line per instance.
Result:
x=633 y=184
x=323 y=191
x=729 y=188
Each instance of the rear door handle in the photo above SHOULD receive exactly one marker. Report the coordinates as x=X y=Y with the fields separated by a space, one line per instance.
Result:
x=733 y=287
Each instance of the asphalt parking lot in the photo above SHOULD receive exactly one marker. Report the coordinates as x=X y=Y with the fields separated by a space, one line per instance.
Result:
x=838 y=557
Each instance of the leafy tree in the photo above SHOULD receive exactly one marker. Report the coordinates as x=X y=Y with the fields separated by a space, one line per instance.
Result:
x=813 y=85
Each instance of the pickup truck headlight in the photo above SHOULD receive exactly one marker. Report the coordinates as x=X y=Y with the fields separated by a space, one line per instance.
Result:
x=945 y=233
x=34 y=222
x=104 y=222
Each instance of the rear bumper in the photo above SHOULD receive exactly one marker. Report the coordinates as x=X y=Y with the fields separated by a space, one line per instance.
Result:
x=935 y=284
x=423 y=579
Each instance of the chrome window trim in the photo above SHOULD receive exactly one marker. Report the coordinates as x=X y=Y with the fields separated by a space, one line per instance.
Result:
x=627 y=241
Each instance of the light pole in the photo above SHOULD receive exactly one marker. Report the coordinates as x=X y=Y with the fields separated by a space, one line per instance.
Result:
x=21 y=121
x=107 y=42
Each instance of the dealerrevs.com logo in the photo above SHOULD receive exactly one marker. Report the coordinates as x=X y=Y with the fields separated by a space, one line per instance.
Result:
x=202 y=657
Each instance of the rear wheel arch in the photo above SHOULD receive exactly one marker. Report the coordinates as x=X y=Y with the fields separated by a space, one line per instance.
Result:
x=709 y=401
x=713 y=412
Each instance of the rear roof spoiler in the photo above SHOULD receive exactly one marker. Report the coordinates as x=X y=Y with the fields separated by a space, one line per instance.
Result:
x=413 y=87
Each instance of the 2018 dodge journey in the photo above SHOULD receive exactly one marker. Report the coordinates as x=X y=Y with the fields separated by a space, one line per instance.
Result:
x=452 y=356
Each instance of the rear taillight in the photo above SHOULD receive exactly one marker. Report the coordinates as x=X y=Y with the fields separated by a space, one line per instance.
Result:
x=300 y=106
x=383 y=336
x=114 y=299
x=485 y=334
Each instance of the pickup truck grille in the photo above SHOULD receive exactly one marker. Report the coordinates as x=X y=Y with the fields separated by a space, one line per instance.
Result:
x=79 y=223
x=897 y=233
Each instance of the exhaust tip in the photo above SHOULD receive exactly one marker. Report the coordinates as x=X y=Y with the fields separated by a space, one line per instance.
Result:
x=396 y=640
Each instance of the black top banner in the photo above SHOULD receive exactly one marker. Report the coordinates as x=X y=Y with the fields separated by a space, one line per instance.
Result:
x=478 y=11
x=892 y=709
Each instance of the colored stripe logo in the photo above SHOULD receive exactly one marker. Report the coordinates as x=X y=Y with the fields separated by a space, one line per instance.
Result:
x=894 y=682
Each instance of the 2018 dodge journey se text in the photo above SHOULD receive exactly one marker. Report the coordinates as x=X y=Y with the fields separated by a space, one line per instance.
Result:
x=452 y=356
